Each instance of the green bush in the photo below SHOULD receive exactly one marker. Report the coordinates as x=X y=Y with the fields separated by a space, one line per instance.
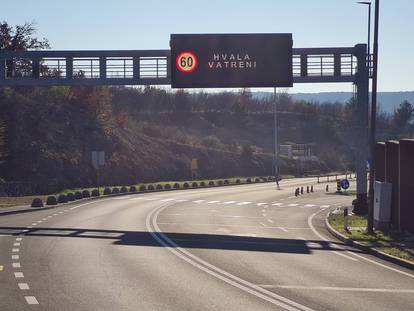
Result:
x=95 y=193
x=194 y=185
x=62 y=198
x=238 y=181
x=186 y=185
x=256 y=180
x=107 y=191
x=176 y=185
x=115 y=190
x=51 y=200
x=78 y=195
x=211 y=183
x=37 y=202
x=86 y=194
x=220 y=183
x=249 y=180
x=151 y=188
x=132 y=189
x=159 y=187
x=70 y=197
x=142 y=188
x=202 y=184
x=123 y=189
x=226 y=182
x=167 y=187
x=264 y=179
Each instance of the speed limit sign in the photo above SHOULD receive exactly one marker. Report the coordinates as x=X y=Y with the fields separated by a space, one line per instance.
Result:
x=186 y=62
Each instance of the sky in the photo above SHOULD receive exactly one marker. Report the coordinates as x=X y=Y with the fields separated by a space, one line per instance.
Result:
x=137 y=24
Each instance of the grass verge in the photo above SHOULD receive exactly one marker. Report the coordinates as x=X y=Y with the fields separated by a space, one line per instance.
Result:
x=393 y=243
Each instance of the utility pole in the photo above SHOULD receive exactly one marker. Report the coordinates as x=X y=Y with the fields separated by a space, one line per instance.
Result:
x=276 y=153
x=373 y=122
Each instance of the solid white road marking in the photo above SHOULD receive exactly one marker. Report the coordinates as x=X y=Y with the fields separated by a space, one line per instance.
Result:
x=181 y=200
x=31 y=300
x=229 y=202
x=152 y=199
x=18 y=275
x=231 y=279
x=16 y=265
x=333 y=288
x=23 y=286
x=237 y=226
x=14 y=257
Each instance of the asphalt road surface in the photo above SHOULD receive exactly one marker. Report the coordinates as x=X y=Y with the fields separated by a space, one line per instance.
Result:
x=248 y=247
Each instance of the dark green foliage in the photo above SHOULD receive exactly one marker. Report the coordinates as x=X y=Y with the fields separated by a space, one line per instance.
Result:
x=211 y=183
x=186 y=185
x=132 y=189
x=264 y=179
x=159 y=187
x=176 y=185
x=86 y=194
x=62 y=198
x=167 y=187
x=220 y=183
x=202 y=184
x=107 y=191
x=249 y=180
x=95 y=193
x=51 y=200
x=70 y=197
x=151 y=188
x=237 y=181
x=115 y=190
x=194 y=185
x=78 y=195
x=142 y=188
x=37 y=202
x=256 y=180
x=226 y=182
x=123 y=189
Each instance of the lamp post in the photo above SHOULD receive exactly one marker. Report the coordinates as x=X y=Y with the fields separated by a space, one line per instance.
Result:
x=369 y=30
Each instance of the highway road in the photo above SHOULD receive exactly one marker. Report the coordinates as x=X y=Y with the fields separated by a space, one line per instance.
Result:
x=248 y=247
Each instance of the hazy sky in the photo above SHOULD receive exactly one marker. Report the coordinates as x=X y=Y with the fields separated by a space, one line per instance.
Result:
x=136 y=24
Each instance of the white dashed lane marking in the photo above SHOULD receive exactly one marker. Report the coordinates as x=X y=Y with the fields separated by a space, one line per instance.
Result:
x=199 y=201
x=277 y=204
x=293 y=204
x=260 y=204
x=18 y=275
x=15 y=250
x=244 y=203
x=16 y=244
x=16 y=265
x=213 y=202
x=23 y=286
x=229 y=202
x=31 y=300
x=15 y=257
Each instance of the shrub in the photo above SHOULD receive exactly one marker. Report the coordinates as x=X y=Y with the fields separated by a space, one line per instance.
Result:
x=249 y=180
x=211 y=183
x=226 y=182
x=95 y=193
x=115 y=190
x=194 y=185
x=86 y=194
x=159 y=187
x=151 y=188
x=176 y=185
x=237 y=181
x=78 y=195
x=37 y=202
x=70 y=197
x=107 y=191
x=220 y=183
x=62 y=198
x=264 y=179
x=256 y=180
x=186 y=185
x=142 y=188
x=167 y=187
x=202 y=184
x=51 y=200
x=123 y=189
x=132 y=189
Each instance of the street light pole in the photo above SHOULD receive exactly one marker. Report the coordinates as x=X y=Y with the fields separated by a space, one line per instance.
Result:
x=275 y=155
x=373 y=121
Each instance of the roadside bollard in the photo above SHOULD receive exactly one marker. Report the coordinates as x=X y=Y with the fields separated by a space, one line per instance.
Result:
x=297 y=192
x=338 y=187
x=327 y=188
x=318 y=179
x=346 y=219
x=301 y=190
x=312 y=188
x=307 y=189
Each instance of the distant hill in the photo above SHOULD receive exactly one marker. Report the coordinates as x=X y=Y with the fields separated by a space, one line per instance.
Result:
x=387 y=100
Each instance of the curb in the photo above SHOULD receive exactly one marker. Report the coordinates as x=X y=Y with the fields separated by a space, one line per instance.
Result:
x=372 y=251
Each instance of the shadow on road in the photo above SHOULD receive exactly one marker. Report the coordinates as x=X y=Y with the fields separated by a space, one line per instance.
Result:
x=185 y=240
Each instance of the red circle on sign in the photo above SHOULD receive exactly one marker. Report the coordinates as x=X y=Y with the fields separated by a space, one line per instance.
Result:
x=186 y=62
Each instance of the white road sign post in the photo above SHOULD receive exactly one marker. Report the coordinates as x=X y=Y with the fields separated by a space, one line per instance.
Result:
x=98 y=160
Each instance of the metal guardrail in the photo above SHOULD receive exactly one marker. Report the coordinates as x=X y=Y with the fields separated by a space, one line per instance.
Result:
x=150 y=67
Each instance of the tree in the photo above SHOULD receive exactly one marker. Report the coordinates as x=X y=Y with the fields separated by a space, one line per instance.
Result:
x=18 y=38
x=403 y=119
